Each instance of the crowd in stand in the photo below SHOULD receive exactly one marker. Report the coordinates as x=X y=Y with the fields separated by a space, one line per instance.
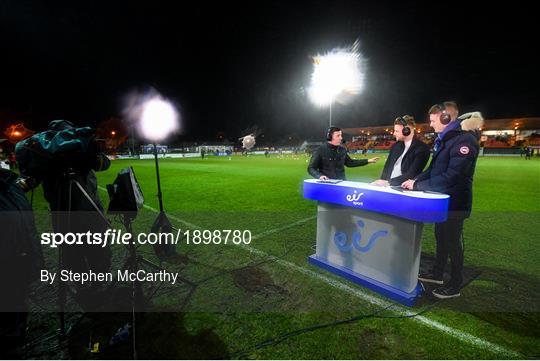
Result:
x=384 y=142
x=381 y=142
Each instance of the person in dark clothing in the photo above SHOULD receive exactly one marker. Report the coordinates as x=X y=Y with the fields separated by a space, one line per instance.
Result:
x=12 y=161
x=330 y=159
x=528 y=152
x=451 y=171
x=70 y=188
x=20 y=261
x=84 y=215
x=408 y=156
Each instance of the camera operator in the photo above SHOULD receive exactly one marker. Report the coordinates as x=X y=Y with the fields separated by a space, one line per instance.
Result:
x=72 y=209
x=20 y=261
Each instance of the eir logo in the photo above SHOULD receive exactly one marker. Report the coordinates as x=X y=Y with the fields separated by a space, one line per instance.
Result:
x=342 y=242
x=354 y=198
x=464 y=150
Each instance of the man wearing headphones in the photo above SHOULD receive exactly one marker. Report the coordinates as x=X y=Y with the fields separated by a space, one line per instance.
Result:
x=330 y=159
x=408 y=156
x=451 y=108
x=451 y=172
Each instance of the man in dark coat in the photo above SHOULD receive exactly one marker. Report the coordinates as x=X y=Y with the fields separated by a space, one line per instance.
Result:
x=330 y=159
x=20 y=262
x=451 y=171
x=408 y=155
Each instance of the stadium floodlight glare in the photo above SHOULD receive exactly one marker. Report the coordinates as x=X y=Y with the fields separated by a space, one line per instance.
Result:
x=337 y=76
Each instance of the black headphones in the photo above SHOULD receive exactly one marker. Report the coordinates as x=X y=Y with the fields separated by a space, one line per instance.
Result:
x=445 y=117
x=406 y=131
x=330 y=131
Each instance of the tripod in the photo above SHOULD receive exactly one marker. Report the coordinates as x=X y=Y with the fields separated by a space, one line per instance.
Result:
x=68 y=181
x=132 y=262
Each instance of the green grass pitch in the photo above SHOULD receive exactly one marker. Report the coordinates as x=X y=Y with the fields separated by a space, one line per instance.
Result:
x=244 y=298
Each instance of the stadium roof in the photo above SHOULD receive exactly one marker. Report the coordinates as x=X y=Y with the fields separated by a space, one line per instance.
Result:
x=531 y=123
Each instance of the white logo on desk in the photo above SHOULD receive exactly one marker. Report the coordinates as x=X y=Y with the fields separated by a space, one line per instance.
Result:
x=354 y=198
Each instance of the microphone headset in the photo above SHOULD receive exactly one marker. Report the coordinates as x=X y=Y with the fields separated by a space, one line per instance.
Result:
x=406 y=131
x=331 y=131
x=445 y=117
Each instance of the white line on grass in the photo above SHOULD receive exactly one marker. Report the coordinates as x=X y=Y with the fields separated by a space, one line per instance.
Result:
x=460 y=335
x=276 y=230
x=463 y=336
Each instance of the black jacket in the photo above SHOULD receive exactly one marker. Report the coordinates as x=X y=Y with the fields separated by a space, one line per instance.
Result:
x=20 y=250
x=412 y=164
x=451 y=171
x=330 y=160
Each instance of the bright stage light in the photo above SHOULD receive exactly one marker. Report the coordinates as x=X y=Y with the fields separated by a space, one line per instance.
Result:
x=154 y=117
x=158 y=119
x=337 y=76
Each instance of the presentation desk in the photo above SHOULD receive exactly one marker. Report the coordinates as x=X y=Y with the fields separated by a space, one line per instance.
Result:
x=372 y=235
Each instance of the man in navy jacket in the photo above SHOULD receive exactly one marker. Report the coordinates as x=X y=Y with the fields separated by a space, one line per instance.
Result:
x=451 y=171
x=408 y=156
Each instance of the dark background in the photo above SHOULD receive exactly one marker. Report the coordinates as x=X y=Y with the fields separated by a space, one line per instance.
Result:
x=234 y=65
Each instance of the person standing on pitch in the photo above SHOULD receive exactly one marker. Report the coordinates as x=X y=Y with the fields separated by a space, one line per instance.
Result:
x=408 y=156
x=528 y=152
x=451 y=171
x=330 y=159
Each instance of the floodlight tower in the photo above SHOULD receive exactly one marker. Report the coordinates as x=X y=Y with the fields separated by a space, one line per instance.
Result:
x=336 y=76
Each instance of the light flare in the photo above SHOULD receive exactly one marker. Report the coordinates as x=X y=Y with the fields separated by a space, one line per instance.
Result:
x=337 y=76
x=154 y=117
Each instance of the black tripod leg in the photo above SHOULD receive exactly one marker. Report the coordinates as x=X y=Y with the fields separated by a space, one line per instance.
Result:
x=163 y=225
x=61 y=295
x=61 y=255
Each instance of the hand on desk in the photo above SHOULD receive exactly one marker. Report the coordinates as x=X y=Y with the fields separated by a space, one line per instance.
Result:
x=381 y=183
x=323 y=177
x=408 y=184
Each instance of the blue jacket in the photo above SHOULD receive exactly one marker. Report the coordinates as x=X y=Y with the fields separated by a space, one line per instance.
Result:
x=451 y=171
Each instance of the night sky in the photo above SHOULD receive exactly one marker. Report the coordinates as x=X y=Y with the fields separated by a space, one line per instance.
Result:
x=231 y=66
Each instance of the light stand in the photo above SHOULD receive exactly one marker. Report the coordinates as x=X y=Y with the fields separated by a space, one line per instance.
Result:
x=157 y=119
x=125 y=202
x=330 y=115
x=162 y=223
x=159 y=195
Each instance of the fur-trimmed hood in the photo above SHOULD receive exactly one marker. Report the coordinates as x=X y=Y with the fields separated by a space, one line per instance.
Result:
x=472 y=121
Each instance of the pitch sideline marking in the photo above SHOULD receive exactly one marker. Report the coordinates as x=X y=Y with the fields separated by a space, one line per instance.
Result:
x=460 y=335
